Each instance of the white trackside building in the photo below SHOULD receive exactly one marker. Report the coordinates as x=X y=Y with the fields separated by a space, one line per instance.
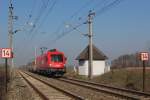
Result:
x=99 y=62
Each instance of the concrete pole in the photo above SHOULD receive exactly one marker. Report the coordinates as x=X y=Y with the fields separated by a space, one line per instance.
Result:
x=90 y=64
x=35 y=52
x=10 y=35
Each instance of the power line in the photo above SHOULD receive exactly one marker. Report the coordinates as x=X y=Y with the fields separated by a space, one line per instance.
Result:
x=98 y=12
x=41 y=12
x=102 y=10
x=37 y=17
x=81 y=8
x=32 y=11
x=107 y=7
x=67 y=32
x=101 y=3
x=44 y=19
x=89 y=2
x=70 y=25
x=38 y=26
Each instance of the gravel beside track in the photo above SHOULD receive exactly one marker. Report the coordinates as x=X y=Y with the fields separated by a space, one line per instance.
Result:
x=18 y=89
x=46 y=92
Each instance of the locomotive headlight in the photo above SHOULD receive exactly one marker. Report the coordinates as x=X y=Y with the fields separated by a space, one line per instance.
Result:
x=50 y=64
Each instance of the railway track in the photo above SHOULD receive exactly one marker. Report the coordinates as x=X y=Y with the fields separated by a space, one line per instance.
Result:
x=118 y=93
x=128 y=91
x=122 y=92
x=85 y=93
x=47 y=91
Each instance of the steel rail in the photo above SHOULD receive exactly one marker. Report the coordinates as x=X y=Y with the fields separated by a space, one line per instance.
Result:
x=140 y=93
x=59 y=89
x=117 y=94
x=44 y=97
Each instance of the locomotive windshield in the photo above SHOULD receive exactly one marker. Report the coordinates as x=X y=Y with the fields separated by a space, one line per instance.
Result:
x=57 y=58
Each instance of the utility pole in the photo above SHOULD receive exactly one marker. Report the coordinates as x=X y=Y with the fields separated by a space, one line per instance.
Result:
x=35 y=54
x=90 y=35
x=10 y=32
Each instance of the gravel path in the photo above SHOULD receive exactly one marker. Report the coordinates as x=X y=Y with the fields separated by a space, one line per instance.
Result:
x=49 y=92
x=19 y=90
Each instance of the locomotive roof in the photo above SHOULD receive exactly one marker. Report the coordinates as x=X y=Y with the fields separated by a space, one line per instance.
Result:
x=54 y=51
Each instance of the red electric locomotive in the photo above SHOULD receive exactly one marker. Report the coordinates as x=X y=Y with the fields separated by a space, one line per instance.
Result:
x=52 y=62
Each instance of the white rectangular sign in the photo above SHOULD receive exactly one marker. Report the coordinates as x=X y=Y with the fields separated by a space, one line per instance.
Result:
x=144 y=56
x=6 y=53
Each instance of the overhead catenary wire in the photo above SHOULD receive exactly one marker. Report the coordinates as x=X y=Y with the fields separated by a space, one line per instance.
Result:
x=23 y=27
x=107 y=7
x=89 y=2
x=32 y=11
x=39 y=15
x=73 y=15
x=76 y=29
x=98 y=12
x=81 y=8
x=100 y=4
x=67 y=32
x=44 y=18
x=93 y=4
x=50 y=8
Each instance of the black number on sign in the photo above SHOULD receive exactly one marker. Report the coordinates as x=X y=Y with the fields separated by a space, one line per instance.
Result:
x=144 y=56
x=6 y=53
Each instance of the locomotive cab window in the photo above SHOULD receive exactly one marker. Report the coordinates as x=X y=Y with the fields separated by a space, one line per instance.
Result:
x=57 y=58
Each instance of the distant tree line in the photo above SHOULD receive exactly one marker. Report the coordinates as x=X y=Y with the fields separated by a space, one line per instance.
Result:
x=128 y=60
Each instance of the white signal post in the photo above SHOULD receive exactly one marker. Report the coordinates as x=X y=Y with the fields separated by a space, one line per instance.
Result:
x=144 y=56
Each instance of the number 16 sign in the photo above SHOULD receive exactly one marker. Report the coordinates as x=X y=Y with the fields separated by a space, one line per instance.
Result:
x=6 y=53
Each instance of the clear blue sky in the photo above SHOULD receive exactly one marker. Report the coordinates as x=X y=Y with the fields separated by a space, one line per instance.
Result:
x=122 y=28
